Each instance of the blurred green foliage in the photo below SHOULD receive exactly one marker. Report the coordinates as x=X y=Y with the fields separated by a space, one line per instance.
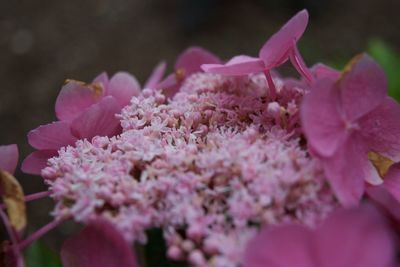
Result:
x=390 y=61
x=38 y=255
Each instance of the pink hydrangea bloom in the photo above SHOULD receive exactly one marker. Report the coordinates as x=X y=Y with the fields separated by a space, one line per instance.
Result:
x=83 y=111
x=209 y=166
x=348 y=238
x=345 y=119
x=276 y=51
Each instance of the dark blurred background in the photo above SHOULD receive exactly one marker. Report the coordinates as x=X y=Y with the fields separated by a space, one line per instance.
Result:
x=44 y=42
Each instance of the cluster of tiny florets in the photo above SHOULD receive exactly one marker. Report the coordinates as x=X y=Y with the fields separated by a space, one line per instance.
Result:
x=209 y=167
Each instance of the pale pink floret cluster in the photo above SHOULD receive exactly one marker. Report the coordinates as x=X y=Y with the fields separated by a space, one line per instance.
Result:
x=209 y=167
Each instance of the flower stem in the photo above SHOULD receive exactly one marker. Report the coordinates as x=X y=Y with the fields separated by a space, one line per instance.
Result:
x=271 y=84
x=14 y=239
x=31 y=197
x=298 y=63
x=39 y=233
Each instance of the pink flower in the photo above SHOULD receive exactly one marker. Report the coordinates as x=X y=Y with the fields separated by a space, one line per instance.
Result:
x=99 y=245
x=8 y=158
x=188 y=62
x=348 y=238
x=276 y=51
x=84 y=111
x=345 y=119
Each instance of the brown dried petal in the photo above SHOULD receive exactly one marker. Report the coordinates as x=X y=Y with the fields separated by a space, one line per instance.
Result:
x=381 y=163
x=13 y=198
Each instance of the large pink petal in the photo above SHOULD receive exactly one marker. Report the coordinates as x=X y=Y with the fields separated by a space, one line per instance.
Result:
x=169 y=86
x=8 y=158
x=320 y=71
x=36 y=161
x=123 y=87
x=354 y=238
x=381 y=129
x=276 y=50
x=238 y=65
x=363 y=87
x=99 y=119
x=347 y=170
x=98 y=245
x=169 y=81
x=392 y=181
x=283 y=246
x=321 y=121
x=102 y=79
x=51 y=136
x=192 y=58
x=73 y=99
x=156 y=75
x=385 y=200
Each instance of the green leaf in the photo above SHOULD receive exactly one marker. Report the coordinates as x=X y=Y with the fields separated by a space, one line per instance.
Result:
x=390 y=61
x=38 y=255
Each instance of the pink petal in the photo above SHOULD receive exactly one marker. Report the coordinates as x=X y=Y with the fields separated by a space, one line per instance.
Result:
x=9 y=158
x=392 y=181
x=102 y=78
x=276 y=50
x=156 y=75
x=73 y=99
x=320 y=71
x=123 y=87
x=283 y=246
x=354 y=238
x=169 y=81
x=51 y=136
x=238 y=65
x=170 y=85
x=36 y=161
x=346 y=171
x=381 y=129
x=99 y=119
x=321 y=121
x=192 y=58
x=97 y=245
x=363 y=87
x=385 y=200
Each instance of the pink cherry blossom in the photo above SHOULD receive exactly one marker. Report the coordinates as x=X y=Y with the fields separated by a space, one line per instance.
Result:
x=345 y=119
x=98 y=245
x=276 y=51
x=188 y=62
x=348 y=238
x=84 y=111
